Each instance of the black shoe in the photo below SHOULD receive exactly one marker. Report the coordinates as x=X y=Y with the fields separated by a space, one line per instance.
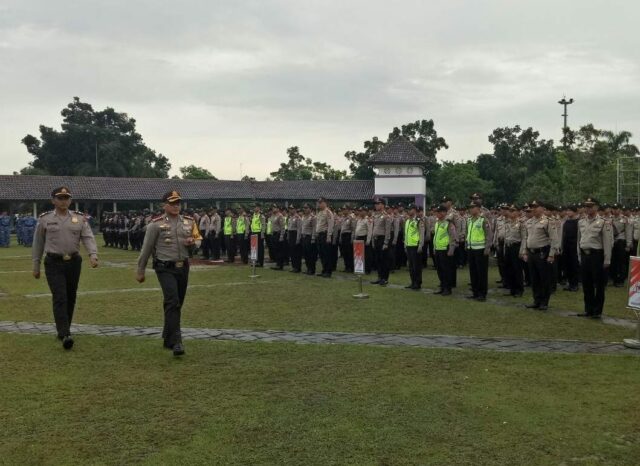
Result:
x=383 y=283
x=409 y=287
x=532 y=306
x=517 y=295
x=470 y=296
x=167 y=345
x=67 y=342
x=294 y=271
x=596 y=316
x=178 y=349
x=276 y=268
x=446 y=293
x=583 y=314
x=482 y=299
x=543 y=307
x=416 y=288
x=499 y=281
x=375 y=282
x=326 y=275
x=440 y=291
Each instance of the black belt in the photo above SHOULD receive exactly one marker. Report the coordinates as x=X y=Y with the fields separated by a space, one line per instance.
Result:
x=538 y=250
x=589 y=251
x=63 y=257
x=170 y=264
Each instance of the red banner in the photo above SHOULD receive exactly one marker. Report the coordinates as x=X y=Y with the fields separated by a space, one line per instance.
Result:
x=358 y=256
x=254 y=248
x=634 y=282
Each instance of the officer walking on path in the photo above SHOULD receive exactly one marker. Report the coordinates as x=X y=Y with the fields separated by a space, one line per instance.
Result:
x=58 y=235
x=169 y=238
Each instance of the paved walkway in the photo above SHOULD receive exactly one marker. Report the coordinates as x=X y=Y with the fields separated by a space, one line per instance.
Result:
x=373 y=339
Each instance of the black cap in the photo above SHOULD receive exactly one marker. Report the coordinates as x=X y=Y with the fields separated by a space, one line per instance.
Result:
x=411 y=206
x=441 y=208
x=474 y=204
x=475 y=196
x=615 y=205
x=379 y=200
x=171 y=196
x=322 y=199
x=61 y=191
x=590 y=201
x=446 y=199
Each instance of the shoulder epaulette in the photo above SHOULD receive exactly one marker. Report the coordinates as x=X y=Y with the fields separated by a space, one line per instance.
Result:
x=188 y=217
x=158 y=218
x=45 y=213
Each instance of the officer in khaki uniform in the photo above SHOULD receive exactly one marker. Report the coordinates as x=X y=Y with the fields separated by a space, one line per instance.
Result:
x=445 y=238
x=380 y=239
x=622 y=244
x=595 y=242
x=169 y=238
x=58 y=235
x=324 y=232
x=539 y=249
x=514 y=232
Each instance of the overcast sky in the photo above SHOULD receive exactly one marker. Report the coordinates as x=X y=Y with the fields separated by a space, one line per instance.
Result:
x=230 y=85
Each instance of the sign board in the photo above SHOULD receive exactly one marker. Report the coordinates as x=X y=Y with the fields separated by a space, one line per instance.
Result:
x=358 y=256
x=634 y=282
x=254 y=248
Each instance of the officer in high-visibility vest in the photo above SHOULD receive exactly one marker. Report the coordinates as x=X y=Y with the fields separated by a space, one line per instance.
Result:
x=229 y=231
x=444 y=245
x=242 y=235
x=258 y=226
x=478 y=243
x=413 y=244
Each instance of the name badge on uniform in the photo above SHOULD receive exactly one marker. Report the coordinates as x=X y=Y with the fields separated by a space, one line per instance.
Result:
x=186 y=222
x=74 y=219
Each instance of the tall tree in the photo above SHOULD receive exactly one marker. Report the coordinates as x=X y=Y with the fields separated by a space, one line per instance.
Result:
x=458 y=181
x=192 y=172
x=299 y=167
x=517 y=155
x=94 y=143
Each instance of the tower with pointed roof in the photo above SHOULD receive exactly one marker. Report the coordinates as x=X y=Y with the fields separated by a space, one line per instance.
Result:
x=399 y=168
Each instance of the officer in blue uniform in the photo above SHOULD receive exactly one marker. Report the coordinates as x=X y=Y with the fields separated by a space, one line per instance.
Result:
x=29 y=227
x=5 y=230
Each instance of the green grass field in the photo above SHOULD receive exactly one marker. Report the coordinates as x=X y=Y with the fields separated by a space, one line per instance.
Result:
x=119 y=400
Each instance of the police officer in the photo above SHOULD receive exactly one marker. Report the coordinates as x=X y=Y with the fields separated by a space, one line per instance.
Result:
x=242 y=230
x=58 y=235
x=294 y=240
x=168 y=239
x=444 y=244
x=276 y=244
x=308 y=230
x=413 y=243
x=595 y=243
x=346 y=238
x=514 y=232
x=570 y=265
x=478 y=244
x=539 y=249
x=5 y=230
x=324 y=232
x=623 y=241
x=380 y=240
x=257 y=227
x=229 y=230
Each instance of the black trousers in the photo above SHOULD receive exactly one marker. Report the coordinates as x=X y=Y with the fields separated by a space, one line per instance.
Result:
x=230 y=246
x=63 y=277
x=618 y=262
x=243 y=246
x=206 y=246
x=173 y=282
x=295 y=250
x=335 y=248
x=270 y=238
x=401 y=256
x=310 y=252
x=570 y=266
x=500 y=259
x=594 y=280
x=277 y=250
x=260 y=260
x=513 y=275
x=214 y=241
x=478 y=272
x=324 y=250
x=461 y=256
x=381 y=257
x=414 y=260
x=346 y=250
x=391 y=253
x=540 y=272
x=446 y=268
x=368 y=254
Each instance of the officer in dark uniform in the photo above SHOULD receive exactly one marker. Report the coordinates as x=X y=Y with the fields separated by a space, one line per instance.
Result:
x=169 y=238
x=58 y=235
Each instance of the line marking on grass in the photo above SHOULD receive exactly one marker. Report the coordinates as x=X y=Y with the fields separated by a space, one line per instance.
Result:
x=512 y=345
x=133 y=290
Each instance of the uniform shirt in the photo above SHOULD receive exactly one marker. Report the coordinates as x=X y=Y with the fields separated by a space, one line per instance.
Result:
x=348 y=223
x=499 y=230
x=165 y=240
x=247 y=225
x=381 y=226
x=395 y=229
x=61 y=234
x=514 y=231
x=488 y=232
x=540 y=233
x=308 y=226
x=595 y=233
x=451 y=230
x=216 y=224
x=362 y=227
x=622 y=230
x=277 y=226
x=205 y=224
x=337 y=224
x=324 y=222
x=295 y=226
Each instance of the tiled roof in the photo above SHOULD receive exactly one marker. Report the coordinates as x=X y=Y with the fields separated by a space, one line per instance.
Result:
x=399 y=151
x=37 y=188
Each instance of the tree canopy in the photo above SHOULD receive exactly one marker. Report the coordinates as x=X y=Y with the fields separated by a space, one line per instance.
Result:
x=93 y=143
x=299 y=167
x=192 y=172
